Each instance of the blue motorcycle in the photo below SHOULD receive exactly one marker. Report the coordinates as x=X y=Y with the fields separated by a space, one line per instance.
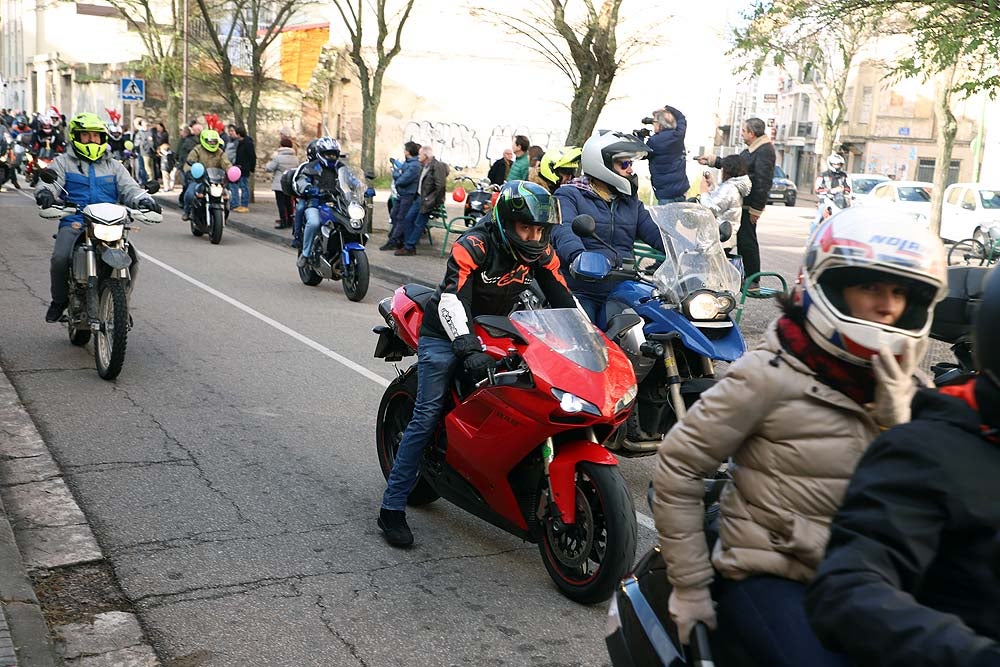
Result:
x=338 y=252
x=687 y=308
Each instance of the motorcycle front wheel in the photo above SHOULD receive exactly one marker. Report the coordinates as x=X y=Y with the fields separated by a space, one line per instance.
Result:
x=112 y=337
x=216 y=217
x=394 y=413
x=588 y=558
x=356 y=276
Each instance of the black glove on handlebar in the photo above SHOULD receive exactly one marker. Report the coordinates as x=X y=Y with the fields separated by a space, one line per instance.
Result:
x=478 y=364
x=465 y=345
x=44 y=198
x=149 y=204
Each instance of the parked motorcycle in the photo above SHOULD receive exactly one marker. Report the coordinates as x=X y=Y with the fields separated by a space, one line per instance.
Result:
x=521 y=449
x=687 y=308
x=103 y=274
x=478 y=201
x=338 y=252
x=211 y=208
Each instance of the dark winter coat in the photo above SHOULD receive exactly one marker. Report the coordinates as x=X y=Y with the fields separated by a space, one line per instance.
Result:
x=620 y=223
x=667 y=168
x=907 y=578
x=246 y=156
x=759 y=157
x=406 y=175
x=431 y=185
x=498 y=172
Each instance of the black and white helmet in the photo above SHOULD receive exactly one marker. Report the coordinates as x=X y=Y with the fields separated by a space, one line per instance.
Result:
x=835 y=162
x=603 y=148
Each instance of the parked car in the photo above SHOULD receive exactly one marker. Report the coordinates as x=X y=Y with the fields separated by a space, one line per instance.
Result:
x=912 y=196
x=862 y=185
x=782 y=188
x=969 y=211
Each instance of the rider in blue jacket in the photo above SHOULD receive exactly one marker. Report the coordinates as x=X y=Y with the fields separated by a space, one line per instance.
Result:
x=313 y=181
x=608 y=193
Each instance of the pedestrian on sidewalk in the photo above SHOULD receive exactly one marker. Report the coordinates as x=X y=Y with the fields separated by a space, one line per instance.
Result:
x=284 y=158
x=246 y=160
x=519 y=170
x=405 y=176
x=167 y=161
x=500 y=168
x=430 y=189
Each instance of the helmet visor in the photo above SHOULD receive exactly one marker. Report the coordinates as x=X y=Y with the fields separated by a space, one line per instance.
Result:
x=211 y=142
x=534 y=209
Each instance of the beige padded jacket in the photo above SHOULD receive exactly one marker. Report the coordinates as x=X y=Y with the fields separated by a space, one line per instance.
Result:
x=794 y=442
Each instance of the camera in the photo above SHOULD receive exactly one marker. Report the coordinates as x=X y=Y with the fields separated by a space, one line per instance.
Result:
x=648 y=120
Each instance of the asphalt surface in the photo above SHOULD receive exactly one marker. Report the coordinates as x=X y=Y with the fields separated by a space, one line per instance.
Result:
x=230 y=476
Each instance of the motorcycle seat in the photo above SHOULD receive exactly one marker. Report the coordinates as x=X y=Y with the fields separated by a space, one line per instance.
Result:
x=420 y=294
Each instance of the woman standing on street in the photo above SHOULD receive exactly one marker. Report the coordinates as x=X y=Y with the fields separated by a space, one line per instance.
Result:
x=284 y=158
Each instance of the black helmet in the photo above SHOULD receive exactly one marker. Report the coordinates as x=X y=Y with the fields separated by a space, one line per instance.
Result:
x=984 y=339
x=311 y=153
x=528 y=203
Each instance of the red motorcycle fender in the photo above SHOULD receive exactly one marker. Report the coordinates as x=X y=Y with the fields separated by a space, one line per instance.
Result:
x=562 y=472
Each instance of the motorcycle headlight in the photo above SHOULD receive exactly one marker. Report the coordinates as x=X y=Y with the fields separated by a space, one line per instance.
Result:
x=356 y=212
x=707 y=305
x=215 y=190
x=572 y=404
x=107 y=233
x=626 y=399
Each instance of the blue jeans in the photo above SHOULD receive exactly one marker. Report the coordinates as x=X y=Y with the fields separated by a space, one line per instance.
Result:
x=313 y=224
x=435 y=364
x=400 y=211
x=189 y=191
x=767 y=617
x=671 y=200
x=590 y=306
x=414 y=229
x=241 y=192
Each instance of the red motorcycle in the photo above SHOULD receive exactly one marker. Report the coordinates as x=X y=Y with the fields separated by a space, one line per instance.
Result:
x=522 y=448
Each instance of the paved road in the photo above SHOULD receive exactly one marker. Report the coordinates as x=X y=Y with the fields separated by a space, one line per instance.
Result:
x=230 y=477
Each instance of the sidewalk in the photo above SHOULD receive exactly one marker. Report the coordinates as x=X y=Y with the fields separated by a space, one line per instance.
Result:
x=426 y=267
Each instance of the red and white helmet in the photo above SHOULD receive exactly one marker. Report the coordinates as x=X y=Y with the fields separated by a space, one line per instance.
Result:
x=859 y=245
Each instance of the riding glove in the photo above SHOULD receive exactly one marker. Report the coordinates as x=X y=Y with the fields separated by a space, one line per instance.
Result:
x=44 y=198
x=477 y=363
x=894 y=385
x=149 y=204
x=465 y=345
x=689 y=606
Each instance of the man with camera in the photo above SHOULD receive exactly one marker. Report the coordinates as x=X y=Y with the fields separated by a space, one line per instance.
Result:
x=667 y=170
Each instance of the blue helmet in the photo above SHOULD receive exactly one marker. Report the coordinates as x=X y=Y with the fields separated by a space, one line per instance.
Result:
x=327 y=151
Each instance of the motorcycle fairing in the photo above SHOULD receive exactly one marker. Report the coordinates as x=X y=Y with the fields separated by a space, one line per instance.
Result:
x=562 y=472
x=659 y=319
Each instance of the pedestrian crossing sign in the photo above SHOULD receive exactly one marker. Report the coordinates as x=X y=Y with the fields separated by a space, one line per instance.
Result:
x=133 y=90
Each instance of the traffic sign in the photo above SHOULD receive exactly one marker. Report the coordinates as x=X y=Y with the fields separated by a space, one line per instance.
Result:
x=133 y=90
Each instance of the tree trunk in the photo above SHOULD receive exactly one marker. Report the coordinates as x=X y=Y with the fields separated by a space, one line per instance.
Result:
x=588 y=101
x=369 y=114
x=947 y=128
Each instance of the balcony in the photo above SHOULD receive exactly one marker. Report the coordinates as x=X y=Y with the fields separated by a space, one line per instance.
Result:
x=804 y=130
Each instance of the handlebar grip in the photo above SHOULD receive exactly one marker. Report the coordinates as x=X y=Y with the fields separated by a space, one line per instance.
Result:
x=701 y=646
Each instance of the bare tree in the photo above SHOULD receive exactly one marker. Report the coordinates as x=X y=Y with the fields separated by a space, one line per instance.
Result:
x=792 y=36
x=371 y=64
x=162 y=34
x=235 y=37
x=586 y=50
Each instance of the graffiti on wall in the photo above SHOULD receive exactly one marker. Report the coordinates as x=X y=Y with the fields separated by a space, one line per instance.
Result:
x=453 y=143
x=457 y=144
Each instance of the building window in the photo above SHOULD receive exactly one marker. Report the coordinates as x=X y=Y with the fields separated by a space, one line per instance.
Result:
x=866 y=105
x=925 y=171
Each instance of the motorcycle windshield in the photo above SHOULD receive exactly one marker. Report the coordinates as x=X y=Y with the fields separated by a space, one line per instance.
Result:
x=695 y=259
x=215 y=175
x=565 y=331
x=350 y=185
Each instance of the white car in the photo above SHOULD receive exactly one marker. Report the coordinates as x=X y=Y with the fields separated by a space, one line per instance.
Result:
x=910 y=196
x=862 y=185
x=970 y=211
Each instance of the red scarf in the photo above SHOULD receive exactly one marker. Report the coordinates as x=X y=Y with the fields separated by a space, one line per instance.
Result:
x=855 y=382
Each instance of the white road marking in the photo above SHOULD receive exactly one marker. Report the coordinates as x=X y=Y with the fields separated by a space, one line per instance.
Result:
x=305 y=340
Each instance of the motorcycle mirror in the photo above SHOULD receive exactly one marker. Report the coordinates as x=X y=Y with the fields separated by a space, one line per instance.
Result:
x=584 y=225
x=152 y=187
x=725 y=231
x=48 y=175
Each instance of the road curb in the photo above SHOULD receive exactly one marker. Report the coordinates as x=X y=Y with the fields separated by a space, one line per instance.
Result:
x=382 y=272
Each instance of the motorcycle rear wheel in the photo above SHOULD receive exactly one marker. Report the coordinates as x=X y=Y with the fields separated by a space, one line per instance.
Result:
x=195 y=231
x=587 y=559
x=216 y=234
x=356 y=276
x=309 y=277
x=394 y=413
x=111 y=340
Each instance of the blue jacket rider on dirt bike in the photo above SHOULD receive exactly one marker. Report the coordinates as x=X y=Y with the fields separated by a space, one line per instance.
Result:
x=490 y=265
x=89 y=176
x=313 y=179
